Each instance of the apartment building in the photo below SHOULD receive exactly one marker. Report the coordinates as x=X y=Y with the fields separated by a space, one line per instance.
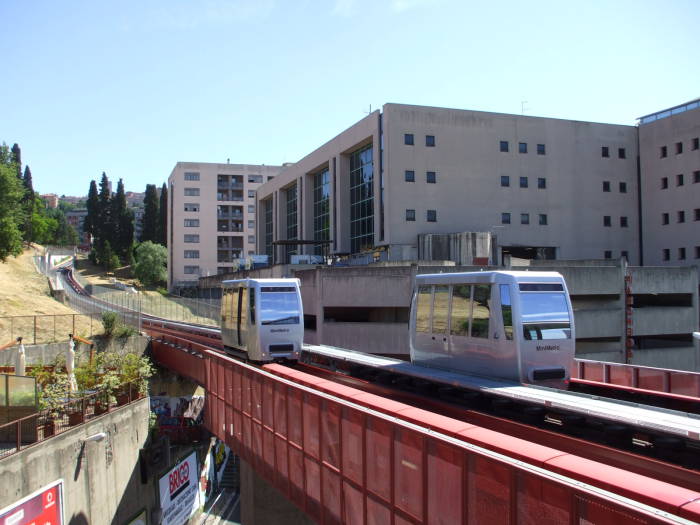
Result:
x=669 y=143
x=211 y=217
x=545 y=188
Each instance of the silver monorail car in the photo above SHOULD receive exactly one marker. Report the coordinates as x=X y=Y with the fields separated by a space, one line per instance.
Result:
x=262 y=319
x=511 y=325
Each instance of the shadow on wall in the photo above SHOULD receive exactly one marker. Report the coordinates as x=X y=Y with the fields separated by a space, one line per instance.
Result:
x=79 y=519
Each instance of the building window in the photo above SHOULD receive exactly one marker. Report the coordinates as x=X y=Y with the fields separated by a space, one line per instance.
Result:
x=504 y=146
x=540 y=149
x=251 y=225
x=523 y=182
x=696 y=177
x=505 y=181
x=191 y=175
x=666 y=254
x=251 y=208
x=681 y=254
x=191 y=223
x=543 y=219
x=664 y=218
x=621 y=153
x=664 y=183
x=606 y=220
x=679 y=150
x=431 y=216
x=410 y=215
x=191 y=192
x=292 y=232
x=409 y=176
x=623 y=187
x=255 y=179
x=191 y=237
x=430 y=177
x=681 y=216
x=522 y=147
x=697 y=252
x=696 y=214
x=191 y=206
x=663 y=154
x=541 y=183
x=270 y=177
x=605 y=151
x=606 y=185
x=623 y=222
x=524 y=218
x=607 y=254
x=191 y=254
x=505 y=218
x=322 y=209
x=190 y=270
x=696 y=143
x=624 y=254
x=362 y=199
x=267 y=207
x=430 y=141
x=251 y=239
x=251 y=194
x=408 y=139
x=679 y=179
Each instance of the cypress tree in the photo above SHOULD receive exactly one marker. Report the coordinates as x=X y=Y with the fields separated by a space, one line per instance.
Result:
x=163 y=212
x=123 y=223
x=92 y=206
x=103 y=226
x=151 y=216
x=28 y=203
x=10 y=209
x=16 y=157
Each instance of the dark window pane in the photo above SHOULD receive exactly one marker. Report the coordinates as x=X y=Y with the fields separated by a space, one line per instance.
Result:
x=540 y=149
x=504 y=146
x=542 y=183
x=605 y=151
x=522 y=147
x=543 y=219
x=524 y=218
x=505 y=181
x=410 y=176
x=430 y=141
x=523 y=182
x=606 y=185
x=621 y=153
x=606 y=220
x=432 y=216
x=623 y=187
x=410 y=215
x=408 y=139
x=430 y=177
x=608 y=254
x=505 y=218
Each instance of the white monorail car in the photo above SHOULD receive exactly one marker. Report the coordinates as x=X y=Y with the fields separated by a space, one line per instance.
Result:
x=262 y=319
x=511 y=325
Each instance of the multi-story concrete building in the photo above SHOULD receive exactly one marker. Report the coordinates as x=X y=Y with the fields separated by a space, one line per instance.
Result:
x=211 y=217
x=669 y=143
x=546 y=188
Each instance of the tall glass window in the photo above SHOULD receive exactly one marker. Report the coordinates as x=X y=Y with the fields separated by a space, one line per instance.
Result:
x=268 y=228
x=292 y=231
x=361 y=200
x=322 y=197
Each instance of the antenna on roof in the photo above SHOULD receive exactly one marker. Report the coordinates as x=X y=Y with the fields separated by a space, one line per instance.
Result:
x=228 y=161
x=370 y=109
x=523 y=107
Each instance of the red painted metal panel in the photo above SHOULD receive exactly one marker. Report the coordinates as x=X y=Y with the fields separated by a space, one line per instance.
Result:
x=331 y=484
x=378 y=513
x=444 y=477
x=652 y=379
x=488 y=491
x=511 y=446
x=621 y=375
x=353 y=507
x=294 y=420
x=268 y=446
x=691 y=511
x=330 y=434
x=280 y=409
x=591 y=370
x=378 y=438
x=685 y=384
x=594 y=510
x=281 y=479
x=256 y=396
x=268 y=402
x=408 y=472
x=352 y=426
x=541 y=502
x=312 y=444
x=297 y=490
x=313 y=488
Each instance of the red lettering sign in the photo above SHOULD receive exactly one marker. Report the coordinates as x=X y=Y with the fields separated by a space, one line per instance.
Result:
x=179 y=476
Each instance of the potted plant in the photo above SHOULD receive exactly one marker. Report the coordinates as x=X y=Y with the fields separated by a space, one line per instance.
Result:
x=108 y=385
x=52 y=398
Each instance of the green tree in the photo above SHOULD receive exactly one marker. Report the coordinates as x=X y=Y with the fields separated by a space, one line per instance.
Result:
x=123 y=222
x=151 y=263
x=92 y=206
x=10 y=207
x=29 y=206
x=17 y=159
x=163 y=212
x=65 y=234
x=150 y=215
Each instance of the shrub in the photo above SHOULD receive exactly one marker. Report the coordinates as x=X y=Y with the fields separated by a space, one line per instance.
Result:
x=110 y=322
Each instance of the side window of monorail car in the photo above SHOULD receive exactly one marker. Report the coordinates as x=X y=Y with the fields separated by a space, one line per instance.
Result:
x=226 y=308
x=232 y=317
x=461 y=309
x=441 y=307
x=481 y=311
x=506 y=311
x=243 y=315
x=279 y=305
x=252 y=306
x=544 y=311
x=423 y=300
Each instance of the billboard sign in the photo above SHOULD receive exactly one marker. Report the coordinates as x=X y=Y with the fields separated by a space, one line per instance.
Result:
x=179 y=494
x=45 y=507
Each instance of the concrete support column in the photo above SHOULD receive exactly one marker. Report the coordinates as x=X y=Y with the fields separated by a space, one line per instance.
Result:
x=263 y=504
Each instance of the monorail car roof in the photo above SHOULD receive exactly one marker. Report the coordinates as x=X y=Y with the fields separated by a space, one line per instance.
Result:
x=278 y=282
x=488 y=277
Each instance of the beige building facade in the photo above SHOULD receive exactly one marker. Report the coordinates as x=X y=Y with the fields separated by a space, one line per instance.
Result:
x=669 y=143
x=545 y=188
x=211 y=217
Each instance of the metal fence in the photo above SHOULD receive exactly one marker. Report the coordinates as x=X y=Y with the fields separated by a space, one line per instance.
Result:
x=42 y=329
x=42 y=425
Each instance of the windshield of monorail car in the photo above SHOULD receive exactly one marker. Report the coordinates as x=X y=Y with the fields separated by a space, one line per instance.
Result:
x=279 y=305
x=545 y=315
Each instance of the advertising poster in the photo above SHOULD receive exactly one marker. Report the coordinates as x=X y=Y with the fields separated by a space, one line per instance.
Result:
x=44 y=507
x=179 y=494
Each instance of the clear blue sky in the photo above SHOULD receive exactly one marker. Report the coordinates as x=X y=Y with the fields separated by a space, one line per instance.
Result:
x=131 y=87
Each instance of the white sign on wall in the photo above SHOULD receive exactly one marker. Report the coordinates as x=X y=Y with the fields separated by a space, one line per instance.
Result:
x=179 y=494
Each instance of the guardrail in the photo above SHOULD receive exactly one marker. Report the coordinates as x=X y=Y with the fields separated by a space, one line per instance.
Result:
x=29 y=430
x=40 y=329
